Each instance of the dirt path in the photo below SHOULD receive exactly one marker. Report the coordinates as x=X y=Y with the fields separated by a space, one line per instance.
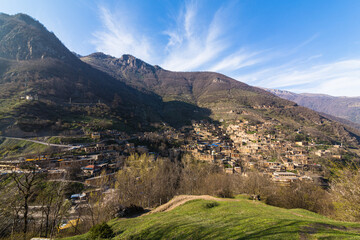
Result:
x=181 y=199
x=40 y=142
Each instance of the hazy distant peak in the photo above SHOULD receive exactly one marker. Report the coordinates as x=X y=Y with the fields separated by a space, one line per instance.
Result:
x=316 y=95
x=279 y=92
x=342 y=107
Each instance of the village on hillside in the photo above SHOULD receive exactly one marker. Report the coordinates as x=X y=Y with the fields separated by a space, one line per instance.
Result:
x=237 y=148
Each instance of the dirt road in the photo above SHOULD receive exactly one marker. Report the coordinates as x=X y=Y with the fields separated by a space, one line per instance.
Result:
x=181 y=199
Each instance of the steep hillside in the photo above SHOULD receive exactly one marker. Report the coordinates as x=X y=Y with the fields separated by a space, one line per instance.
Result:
x=343 y=107
x=231 y=219
x=229 y=100
x=23 y=38
x=194 y=87
x=46 y=88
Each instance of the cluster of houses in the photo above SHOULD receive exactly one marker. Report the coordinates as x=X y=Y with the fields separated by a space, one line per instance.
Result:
x=89 y=163
x=241 y=147
x=238 y=148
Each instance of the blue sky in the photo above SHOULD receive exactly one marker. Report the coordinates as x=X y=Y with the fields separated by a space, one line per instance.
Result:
x=297 y=45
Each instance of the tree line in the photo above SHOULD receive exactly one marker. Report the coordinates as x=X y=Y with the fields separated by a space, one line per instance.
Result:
x=32 y=205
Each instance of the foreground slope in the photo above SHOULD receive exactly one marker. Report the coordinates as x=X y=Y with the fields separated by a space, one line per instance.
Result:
x=232 y=219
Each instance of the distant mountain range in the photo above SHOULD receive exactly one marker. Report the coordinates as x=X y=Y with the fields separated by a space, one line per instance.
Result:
x=73 y=94
x=342 y=107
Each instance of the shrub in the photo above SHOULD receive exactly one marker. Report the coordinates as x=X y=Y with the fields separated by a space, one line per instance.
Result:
x=225 y=192
x=211 y=204
x=101 y=231
x=131 y=210
x=305 y=195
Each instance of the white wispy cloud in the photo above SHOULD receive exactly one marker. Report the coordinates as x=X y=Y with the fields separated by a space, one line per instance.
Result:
x=237 y=60
x=303 y=44
x=338 y=78
x=119 y=36
x=191 y=44
x=196 y=43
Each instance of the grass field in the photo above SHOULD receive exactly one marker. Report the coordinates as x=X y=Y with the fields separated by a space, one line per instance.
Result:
x=17 y=148
x=233 y=219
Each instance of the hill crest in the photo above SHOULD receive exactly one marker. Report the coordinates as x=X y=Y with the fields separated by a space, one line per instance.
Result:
x=24 y=38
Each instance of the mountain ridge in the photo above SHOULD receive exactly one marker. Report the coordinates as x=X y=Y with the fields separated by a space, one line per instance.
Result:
x=227 y=98
x=35 y=62
x=124 y=69
x=101 y=92
x=347 y=108
x=24 y=38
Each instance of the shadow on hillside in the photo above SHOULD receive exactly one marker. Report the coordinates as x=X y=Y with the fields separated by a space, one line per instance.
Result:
x=283 y=228
x=179 y=114
x=72 y=92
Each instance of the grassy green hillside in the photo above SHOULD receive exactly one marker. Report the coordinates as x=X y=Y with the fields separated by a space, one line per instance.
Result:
x=231 y=219
x=12 y=148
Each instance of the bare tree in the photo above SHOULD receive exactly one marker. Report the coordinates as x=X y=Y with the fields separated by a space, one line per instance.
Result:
x=10 y=208
x=53 y=205
x=256 y=184
x=146 y=182
x=26 y=184
x=305 y=195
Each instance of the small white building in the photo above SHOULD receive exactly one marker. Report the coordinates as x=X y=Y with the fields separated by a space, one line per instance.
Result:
x=29 y=97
